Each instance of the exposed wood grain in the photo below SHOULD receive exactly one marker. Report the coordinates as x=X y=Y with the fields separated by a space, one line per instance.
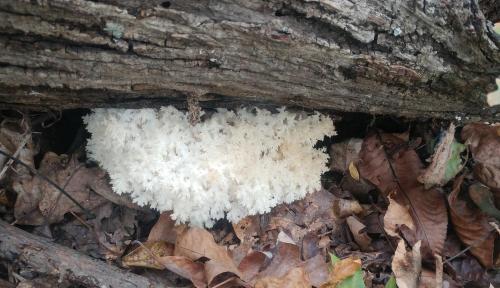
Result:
x=407 y=58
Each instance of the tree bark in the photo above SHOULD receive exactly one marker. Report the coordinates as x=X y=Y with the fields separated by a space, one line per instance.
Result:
x=401 y=57
x=48 y=258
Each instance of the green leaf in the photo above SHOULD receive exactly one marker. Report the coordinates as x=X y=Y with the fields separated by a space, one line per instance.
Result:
x=454 y=164
x=391 y=283
x=334 y=259
x=355 y=281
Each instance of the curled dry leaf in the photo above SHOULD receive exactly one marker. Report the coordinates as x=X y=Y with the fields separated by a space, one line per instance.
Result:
x=446 y=161
x=395 y=216
x=388 y=163
x=39 y=202
x=295 y=278
x=163 y=230
x=195 y=243
x=341 y=270
x=251 y=264
x=346 y=207
x=358 y=231
x=484 y=143
x=407 y=265
x=471 y=226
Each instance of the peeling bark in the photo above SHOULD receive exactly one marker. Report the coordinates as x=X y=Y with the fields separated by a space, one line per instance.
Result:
x=407 y=58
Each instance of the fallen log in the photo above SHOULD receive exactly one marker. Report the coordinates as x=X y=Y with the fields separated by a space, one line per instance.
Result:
x=406 y=58
x=48 y=258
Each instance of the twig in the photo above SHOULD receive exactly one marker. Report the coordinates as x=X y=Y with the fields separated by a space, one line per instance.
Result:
x=32 y=170
x=447 y=261
x=16 y=154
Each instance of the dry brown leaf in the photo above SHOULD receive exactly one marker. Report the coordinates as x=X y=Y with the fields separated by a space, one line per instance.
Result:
x=15 y=139
x=113 y=229
x=435 y=173
x=147 y=255
x=342 y=270
x=428 y=280
x=247 y=228
x=251 y=264
x=186 y=268
x=163 y=230
x=346 y=207
x=313 y=214
x=295 y=278
x=395 y=216
x=407 y=265
x=195 y=243
x=388 y=163
x=467 y=269
x=358 y=231
x=344 y=153
x=471 y=226
x=40 y=203
x=484 y=143
x=284 y=257
x=317 y=269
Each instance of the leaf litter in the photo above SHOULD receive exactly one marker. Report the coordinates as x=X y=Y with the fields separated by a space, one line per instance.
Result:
x=386 y=216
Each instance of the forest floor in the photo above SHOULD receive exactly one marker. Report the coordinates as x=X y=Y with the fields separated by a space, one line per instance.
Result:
x=405 y=204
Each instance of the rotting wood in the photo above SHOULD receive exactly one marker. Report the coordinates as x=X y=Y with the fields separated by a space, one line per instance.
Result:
x=406 y=58
x=46 y=257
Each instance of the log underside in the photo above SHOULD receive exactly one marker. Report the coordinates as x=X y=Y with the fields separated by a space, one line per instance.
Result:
x=406 y=58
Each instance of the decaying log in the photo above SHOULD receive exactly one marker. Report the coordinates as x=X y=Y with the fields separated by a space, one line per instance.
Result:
x=48 y=258
x=401 y=57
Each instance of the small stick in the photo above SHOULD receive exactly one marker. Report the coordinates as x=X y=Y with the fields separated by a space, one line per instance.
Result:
x=16 y=154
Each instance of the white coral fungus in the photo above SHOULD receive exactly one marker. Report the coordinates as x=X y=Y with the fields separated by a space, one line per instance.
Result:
x=240 y=163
